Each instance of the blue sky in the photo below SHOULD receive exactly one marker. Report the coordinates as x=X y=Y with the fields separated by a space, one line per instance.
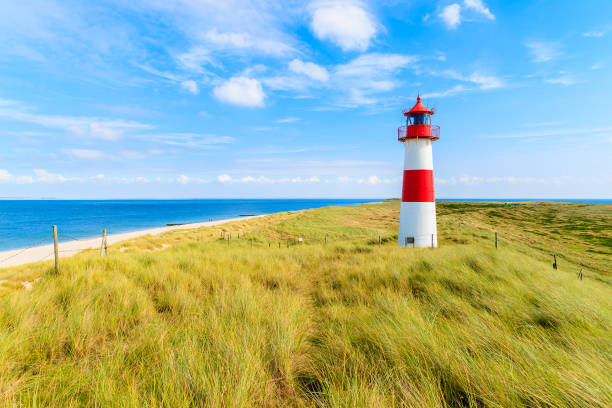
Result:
x=202 y=98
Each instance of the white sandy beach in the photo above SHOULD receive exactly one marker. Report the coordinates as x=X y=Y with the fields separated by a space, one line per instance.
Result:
x=45 y=252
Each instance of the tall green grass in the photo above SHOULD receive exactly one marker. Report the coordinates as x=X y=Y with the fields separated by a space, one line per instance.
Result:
x=186 y=319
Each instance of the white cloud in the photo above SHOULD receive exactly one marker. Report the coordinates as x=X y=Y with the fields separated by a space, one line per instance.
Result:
x=311 y=70
x=183 y=179
x=43 y=176
x=595 y=33
x=5 y=175
x=190 y=86
x=451 y=15
x=346 y=23
x=84 y=153
x=479 y=7
x=374 y=180
x=241 y=91
x=224 y=178
x=543 y=51
x=287 y=120
x=562 y=80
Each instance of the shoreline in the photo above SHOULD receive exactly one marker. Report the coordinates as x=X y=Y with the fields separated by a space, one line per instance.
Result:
x=22 y=256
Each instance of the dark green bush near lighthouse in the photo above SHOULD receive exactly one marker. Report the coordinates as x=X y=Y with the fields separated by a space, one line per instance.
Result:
x=188 y=319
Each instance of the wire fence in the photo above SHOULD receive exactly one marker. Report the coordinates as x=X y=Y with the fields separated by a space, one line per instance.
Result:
x=55 y=237
x=423 y=240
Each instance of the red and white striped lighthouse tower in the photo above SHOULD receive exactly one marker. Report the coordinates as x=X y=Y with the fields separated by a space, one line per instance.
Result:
x=418 y=209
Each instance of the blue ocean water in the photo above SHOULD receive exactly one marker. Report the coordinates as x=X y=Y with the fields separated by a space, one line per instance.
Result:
x=25 y=223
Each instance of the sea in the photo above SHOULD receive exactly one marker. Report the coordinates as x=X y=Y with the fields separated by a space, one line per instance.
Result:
x=26 y=223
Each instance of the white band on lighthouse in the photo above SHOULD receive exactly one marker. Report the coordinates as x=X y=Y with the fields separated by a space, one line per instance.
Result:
x=418 y=207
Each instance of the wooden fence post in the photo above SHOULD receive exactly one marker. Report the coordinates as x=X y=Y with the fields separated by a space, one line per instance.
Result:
x=325 y=239
x=495 y=239
x=555 y=262
x=379 y=241
x=55 y=249
x=432 y=240
x=103 y=243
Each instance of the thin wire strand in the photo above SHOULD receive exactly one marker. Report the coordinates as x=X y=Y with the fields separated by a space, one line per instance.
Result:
x=25 y=249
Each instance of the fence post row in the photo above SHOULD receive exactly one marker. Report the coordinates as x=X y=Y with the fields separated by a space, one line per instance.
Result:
x=55 y=249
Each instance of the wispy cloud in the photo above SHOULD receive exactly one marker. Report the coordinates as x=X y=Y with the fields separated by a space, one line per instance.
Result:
x=475 y=180
x=287 y=120
x=544 y=51
x=84 y=153
x=370 y=74
x=473 y=82
x=189 y=140
x=564 y=79
x=191 y=87
x=93 y=127
x=596 y=33
x=311 y=70
x=554 y=132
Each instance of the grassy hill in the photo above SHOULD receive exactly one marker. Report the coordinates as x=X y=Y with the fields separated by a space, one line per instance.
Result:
x=190 y=319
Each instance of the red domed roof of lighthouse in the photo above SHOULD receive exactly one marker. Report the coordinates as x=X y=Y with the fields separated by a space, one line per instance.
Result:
x=419 y=108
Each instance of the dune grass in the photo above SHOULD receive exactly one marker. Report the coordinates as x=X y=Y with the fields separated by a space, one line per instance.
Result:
x=190 y=319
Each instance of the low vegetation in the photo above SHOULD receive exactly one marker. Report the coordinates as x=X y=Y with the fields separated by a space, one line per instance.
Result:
x=192 y=319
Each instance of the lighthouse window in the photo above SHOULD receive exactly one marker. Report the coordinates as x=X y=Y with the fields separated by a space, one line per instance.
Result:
x=419 y=118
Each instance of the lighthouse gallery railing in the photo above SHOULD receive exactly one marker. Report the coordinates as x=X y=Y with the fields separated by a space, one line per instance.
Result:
x=417 y=131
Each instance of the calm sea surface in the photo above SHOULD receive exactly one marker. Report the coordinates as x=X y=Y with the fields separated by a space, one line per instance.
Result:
x=25 y=223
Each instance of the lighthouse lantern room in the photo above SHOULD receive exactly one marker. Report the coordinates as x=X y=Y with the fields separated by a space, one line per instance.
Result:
x=418 y=208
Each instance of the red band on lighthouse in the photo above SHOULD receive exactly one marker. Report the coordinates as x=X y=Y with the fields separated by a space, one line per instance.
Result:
x=418 y=186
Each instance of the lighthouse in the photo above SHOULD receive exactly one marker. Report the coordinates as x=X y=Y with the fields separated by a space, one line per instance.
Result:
x=417 y=225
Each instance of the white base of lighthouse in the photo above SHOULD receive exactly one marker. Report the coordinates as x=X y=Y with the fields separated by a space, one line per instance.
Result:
x=418 y=222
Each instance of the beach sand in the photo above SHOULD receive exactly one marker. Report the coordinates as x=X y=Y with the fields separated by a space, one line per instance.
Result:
x=16 y=257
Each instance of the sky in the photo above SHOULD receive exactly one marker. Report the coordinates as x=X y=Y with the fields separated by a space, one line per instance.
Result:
x=265 y=99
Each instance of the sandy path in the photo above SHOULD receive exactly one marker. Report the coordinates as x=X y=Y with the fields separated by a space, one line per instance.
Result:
x=45 y=252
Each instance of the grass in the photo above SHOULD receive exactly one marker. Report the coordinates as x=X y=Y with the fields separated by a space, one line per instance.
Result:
x=186 y=319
